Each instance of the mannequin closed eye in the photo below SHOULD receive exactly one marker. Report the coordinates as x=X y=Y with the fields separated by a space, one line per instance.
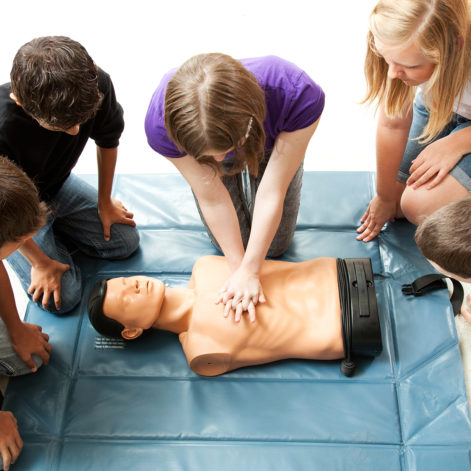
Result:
x=134 y=301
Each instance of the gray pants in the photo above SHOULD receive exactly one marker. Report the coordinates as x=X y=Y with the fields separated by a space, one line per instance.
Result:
x=243 y=187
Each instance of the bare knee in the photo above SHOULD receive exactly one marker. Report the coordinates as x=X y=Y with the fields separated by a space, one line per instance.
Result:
x=420 y=203
x=415 y=205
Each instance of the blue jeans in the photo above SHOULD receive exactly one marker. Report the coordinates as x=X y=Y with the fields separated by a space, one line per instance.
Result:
x=10 y=363
x=74 y=224
x=462 y=170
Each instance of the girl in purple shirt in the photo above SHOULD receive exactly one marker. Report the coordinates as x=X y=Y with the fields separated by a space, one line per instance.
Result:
x=217 y=118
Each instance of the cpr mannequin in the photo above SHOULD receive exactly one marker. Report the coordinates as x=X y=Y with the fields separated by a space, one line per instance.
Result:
x=301 y=318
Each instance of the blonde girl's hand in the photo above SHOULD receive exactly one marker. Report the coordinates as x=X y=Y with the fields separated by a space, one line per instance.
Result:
x=379 y=211
x=434 y=163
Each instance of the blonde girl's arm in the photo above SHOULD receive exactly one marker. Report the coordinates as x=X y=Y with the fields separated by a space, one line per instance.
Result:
x=391 y=141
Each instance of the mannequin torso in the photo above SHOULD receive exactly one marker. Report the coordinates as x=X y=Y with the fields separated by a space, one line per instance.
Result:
x=301 y=318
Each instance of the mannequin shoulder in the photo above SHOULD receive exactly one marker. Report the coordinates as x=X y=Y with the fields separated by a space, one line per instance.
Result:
x=205 y=355
x=211 y=364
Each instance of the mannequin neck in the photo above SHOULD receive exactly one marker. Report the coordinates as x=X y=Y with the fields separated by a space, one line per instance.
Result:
x=176 y=310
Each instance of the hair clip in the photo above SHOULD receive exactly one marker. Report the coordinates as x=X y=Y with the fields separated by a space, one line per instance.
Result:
x=249 y=127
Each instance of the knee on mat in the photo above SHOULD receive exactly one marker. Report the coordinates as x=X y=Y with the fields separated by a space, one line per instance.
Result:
x=12 y=365
x=69 y=301
x=71 y=295
x=278 y=248
x=128 y=243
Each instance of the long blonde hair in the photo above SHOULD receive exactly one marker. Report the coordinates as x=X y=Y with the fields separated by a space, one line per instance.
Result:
x=213 y=102
x=441 y=29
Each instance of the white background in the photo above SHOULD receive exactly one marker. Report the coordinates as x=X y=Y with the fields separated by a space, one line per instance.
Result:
x=138 y=41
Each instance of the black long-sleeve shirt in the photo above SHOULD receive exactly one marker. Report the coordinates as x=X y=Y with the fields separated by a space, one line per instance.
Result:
x=48 y=157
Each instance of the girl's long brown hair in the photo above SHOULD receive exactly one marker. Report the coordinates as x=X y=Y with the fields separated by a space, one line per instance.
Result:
x=214 y=103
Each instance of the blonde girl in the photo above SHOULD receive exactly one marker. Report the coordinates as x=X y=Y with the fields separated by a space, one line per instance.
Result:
x=418 y=68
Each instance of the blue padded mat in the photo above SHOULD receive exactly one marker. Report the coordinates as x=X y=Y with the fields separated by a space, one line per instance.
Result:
x=102 y=405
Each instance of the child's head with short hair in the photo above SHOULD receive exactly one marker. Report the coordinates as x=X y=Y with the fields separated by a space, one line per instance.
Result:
x=21 y=211
x=56 y=82
x=444 y=238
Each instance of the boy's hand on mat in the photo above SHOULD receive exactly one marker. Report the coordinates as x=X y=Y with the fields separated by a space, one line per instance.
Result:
x=46 y=281
x=29 y=339
x=432 y=165
x=11 y=443
x=113 y=212
x=379 y=211
x=241 y=293
x=466 y=309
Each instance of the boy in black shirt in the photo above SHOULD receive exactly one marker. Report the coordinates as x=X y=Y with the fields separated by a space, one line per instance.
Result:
x=58 y=99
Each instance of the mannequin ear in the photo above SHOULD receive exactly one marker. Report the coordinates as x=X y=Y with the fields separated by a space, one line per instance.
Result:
x=130 y=333
x=13 y=97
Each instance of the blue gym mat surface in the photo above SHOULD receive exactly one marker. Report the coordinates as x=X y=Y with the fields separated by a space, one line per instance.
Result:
x=103 y=405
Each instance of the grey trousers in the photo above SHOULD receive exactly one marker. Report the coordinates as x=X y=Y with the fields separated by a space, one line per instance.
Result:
x=243 y=187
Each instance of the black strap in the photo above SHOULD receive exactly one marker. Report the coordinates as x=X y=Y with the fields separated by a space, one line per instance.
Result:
x=432 y=282
x=347 y=366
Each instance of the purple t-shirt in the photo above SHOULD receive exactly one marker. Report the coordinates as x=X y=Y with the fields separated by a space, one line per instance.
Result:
x=293 y=100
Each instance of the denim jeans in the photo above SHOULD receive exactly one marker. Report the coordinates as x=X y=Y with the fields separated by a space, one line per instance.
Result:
x=243 y=188
x=10 y=363
x=74 y=224
x=462 y=170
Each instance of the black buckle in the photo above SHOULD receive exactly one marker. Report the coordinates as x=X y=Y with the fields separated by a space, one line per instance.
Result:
x=432 y=282
x=423 y=285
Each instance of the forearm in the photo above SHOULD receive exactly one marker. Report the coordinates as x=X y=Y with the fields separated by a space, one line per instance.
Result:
x=8 y=311
x=388 y=160
x=459 y=143
x=285 y=160
x=106 y=160
x=35 y=256
x=222 y=220
x=391 y=141
x=266 y=219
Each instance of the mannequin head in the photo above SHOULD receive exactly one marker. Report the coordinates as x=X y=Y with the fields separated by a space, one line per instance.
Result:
x=125 y=307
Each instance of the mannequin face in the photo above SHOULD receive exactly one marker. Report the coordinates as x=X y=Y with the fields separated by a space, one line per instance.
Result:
x=134 y=301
